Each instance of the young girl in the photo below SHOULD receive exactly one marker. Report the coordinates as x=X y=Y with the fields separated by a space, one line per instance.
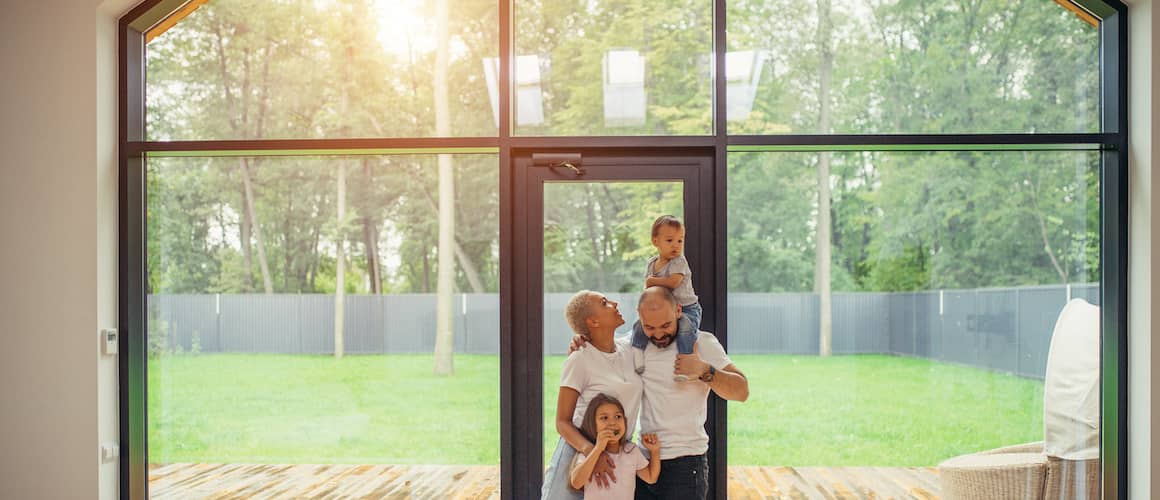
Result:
x=604 y=423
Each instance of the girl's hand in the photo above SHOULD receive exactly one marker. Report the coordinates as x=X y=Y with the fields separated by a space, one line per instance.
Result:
x=651 y=442
x=604 y=437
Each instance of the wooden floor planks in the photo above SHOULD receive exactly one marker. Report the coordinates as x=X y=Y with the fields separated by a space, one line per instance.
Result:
x=477 y=482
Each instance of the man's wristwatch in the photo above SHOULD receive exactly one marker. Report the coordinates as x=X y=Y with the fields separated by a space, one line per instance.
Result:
x=708 y=376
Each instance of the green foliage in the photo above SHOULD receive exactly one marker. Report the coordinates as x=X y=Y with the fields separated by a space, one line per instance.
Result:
x=243 y=69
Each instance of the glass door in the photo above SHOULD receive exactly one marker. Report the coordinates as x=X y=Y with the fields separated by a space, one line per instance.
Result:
x=583 y=222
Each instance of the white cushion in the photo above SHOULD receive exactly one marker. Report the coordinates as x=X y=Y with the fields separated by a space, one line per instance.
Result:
x=1071 y=389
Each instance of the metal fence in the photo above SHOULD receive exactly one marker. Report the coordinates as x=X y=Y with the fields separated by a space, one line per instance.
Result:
x=1005 y=329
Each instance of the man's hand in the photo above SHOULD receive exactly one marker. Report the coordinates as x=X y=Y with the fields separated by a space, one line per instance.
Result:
x=603 y=473
x=578 y=341
x=690 y=365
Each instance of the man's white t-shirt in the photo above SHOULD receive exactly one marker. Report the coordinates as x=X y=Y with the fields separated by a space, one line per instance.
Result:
x=591 y=371
x=676 y=411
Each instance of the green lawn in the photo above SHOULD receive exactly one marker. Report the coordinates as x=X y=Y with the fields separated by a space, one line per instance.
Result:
x=802 y=410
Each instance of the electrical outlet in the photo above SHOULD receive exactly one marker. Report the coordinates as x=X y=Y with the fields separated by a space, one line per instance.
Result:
x=109 y=341
x=110 y=452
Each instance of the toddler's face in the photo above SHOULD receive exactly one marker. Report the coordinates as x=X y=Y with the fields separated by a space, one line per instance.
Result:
x=670 y=241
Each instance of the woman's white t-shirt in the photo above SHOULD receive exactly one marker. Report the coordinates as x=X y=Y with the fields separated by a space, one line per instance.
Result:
x=591 y=371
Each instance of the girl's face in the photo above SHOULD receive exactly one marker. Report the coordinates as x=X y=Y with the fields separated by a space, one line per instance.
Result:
x=670 y=241
x=609 y=416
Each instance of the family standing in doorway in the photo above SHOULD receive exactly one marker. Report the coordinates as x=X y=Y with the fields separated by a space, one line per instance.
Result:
x=608 y=382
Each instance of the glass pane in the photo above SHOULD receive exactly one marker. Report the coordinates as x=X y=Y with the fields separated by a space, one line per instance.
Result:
x=597 y=236
x=896 y=66
x=255 y=359
x=947 y=274
x=605 y=67
x=298 y=69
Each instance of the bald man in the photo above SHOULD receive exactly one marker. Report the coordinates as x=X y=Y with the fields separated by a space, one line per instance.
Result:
x=676 y=411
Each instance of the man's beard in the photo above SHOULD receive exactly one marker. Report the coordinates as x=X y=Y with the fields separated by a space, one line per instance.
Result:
x=663 y=342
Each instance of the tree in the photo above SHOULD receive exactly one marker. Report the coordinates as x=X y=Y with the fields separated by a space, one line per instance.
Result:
x=444 y=319
x=823 y=260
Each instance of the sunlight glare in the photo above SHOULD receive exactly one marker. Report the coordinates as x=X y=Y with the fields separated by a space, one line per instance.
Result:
x=402 y=29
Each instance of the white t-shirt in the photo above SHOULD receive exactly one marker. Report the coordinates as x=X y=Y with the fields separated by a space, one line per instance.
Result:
x=630 y=459
x=591 y=371
x=676 y=411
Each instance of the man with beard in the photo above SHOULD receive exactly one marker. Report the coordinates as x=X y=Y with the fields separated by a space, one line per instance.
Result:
x=676 y=411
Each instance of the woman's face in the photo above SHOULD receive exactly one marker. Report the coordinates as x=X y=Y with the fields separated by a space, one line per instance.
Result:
x=605 y=313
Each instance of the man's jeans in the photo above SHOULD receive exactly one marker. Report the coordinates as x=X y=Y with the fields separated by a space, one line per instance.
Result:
x=681 y=478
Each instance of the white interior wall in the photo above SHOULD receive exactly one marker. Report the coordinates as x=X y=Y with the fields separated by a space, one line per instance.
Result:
x=48 y=135
x=1143 y=81
x=58 y=171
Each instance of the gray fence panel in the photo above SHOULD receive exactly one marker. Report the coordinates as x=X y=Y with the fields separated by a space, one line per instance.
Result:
x=1000 y=329
x=1038 y=310
x=1088 y=292
x=928 y=325
x=754 y=326
x=183 y=318
x=482 y=324
x=316 y=324
x=259 y=323
x=995 y=329
x=800 y=325
x=861 y=323
x=410 y=323
x=557 y=333
x=900 y=315
x=364 y=324
x=782 y=323
x=958 y=341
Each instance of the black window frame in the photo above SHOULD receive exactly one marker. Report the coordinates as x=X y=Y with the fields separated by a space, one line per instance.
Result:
x=516 y=468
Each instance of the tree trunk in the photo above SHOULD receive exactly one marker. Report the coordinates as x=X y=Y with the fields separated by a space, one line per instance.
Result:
x=597 y=251
x=247 y=250
x=468 y=267
x=340 y=266
x=822 y=260
x=248 y=185
x=370 y=231
x=444 y=321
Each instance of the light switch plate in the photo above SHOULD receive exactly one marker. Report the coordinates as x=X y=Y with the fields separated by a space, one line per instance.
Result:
x=109 y=341
x=110 y=452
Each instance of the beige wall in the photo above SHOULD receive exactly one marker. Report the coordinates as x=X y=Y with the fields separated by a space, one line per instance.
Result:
x=58 y=220
x=1144 y=132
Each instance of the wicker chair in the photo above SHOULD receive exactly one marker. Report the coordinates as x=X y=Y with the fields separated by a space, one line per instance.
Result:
x=1065 y=465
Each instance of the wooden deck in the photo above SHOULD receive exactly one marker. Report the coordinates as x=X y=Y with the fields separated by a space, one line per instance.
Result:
x=263 y=481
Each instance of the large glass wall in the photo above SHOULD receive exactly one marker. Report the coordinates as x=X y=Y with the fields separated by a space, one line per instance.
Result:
x=614 y=67
x=897 y=67
x=947 y=273
x=294 y=317
x=303 y=69
x=892 y=308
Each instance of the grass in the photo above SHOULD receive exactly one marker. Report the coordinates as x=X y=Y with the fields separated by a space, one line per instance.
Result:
x=802 y=410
